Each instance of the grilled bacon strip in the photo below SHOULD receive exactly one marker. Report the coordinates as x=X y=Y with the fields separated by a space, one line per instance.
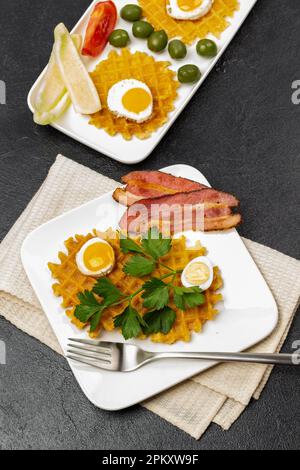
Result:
x=161 y=179
x=178 y=203
x=150 y=184
x=205 y=195
x=202 y=219
x=205 y=209
x=125 y=197
x=222 y=223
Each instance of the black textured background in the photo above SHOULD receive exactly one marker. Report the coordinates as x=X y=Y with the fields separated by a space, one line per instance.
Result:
x=242 y=131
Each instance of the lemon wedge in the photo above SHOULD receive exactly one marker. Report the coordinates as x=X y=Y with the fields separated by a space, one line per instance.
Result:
x=52 y=99
x=78 y=82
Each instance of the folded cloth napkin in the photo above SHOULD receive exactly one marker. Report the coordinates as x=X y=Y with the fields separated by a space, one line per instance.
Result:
x=218 y=395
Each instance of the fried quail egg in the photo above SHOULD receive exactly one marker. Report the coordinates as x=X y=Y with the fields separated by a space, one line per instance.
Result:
x=131 y=99
x=188 y=9
x=198 y=273
x=96 y=258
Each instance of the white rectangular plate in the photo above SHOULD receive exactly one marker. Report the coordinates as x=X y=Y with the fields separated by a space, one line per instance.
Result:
x=134 y=151
x=247 y=315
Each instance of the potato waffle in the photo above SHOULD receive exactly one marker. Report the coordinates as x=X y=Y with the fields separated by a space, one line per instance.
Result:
x=214 y=22
x=70 y=282
x=140 y=66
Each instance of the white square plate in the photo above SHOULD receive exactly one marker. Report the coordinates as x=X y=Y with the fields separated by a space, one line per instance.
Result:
x=247 y=315
x=136 y=150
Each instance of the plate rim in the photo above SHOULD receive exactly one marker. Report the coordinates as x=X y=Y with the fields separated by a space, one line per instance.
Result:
x=175 y=382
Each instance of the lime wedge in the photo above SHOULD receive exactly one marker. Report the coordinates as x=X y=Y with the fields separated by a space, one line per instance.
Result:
x=52 y=99
x=77 y=80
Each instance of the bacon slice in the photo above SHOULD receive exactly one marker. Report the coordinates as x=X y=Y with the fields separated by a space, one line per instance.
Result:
x=206 y=209
x=222 y=223
x=149 y=184
x=198 y=219
x=162 y=179
x=125 y=197
x=206 y=195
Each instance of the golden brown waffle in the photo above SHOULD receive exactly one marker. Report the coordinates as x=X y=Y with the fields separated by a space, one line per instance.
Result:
x=159 y=78
x=70 y=282
x=214 y=22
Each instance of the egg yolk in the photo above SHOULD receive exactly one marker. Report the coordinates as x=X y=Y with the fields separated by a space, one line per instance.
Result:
x=136 y=100
x=197 y=273
x=98 y=256
x=189 y=5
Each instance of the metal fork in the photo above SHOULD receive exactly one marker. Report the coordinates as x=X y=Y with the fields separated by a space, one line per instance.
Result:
x=127 y=357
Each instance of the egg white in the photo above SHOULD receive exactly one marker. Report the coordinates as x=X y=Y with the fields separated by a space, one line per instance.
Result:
x=116 y=93
x=175 y=12
x=80 y=261
x=208 y=263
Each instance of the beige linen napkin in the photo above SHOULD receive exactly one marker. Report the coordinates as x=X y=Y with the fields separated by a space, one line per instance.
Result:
x=218 y=395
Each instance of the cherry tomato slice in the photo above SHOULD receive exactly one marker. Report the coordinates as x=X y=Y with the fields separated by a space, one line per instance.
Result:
x=102 y=22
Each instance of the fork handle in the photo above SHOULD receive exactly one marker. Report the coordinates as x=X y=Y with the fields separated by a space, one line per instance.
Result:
x=281 y=359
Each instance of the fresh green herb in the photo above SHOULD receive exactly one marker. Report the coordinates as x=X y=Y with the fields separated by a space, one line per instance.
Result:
x=150 y=250
x=88 y=306
x=139 y=266
x=127 y=246
x=156 y=294
x=107 y=290
x=96 y=318
x=130 y=322
x=159 y=321
x=155 y=245
x=188 y=297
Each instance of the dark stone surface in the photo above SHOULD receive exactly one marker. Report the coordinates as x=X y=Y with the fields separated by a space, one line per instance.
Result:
x=242 y=131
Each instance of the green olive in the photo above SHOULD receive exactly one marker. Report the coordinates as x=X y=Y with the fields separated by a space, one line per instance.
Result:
x=119 y=38
x=131 y=12
x=142 y=29
x=158 y=41
x=207 y=48
x=189 y=73
x=177 y=49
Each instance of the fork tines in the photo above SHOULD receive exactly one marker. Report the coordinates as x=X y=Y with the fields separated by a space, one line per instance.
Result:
x=95 y=353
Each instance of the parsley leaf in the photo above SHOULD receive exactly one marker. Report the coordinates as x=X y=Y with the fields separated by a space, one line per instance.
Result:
x=139 y=266
x=188 y=297
x=110 y=294
x=156 y=294
x=106 y=289
x=96 y=318
x=130 y=322
x=127 y=246
x=155 y=245
x=88 y=306
x=159 y=321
